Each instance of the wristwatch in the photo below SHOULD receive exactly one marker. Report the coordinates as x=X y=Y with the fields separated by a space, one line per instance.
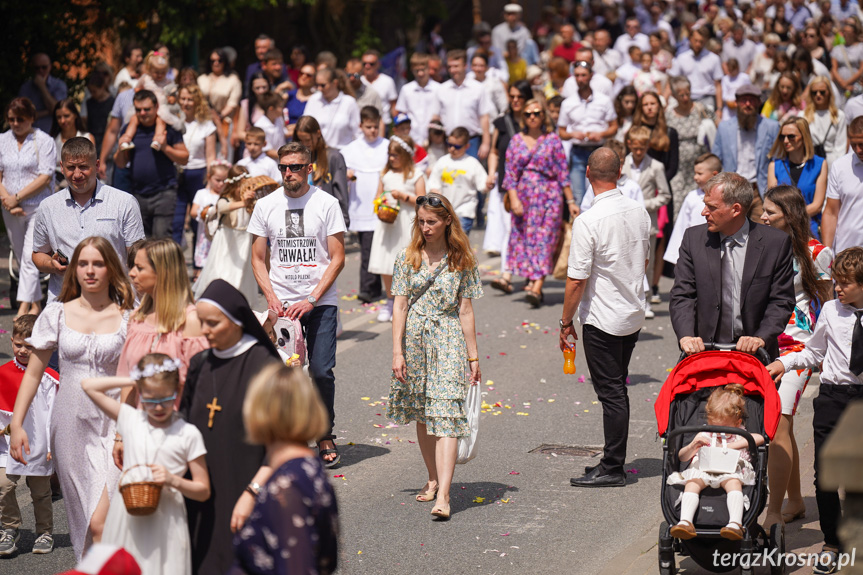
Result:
x=564 y=325
x=312 y=300
x=253 y=489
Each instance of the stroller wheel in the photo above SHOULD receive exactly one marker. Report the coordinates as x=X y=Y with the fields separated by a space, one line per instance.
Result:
x=777 y=541
x=667 y=565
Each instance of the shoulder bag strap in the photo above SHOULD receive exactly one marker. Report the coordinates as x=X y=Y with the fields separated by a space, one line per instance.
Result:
x=510 y=127
x=824 y=140
x=443 y=263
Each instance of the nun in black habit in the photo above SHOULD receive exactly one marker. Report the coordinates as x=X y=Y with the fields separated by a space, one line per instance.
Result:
x=213 y=402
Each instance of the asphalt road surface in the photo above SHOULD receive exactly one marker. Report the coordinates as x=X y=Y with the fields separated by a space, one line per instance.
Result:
x=513 y=509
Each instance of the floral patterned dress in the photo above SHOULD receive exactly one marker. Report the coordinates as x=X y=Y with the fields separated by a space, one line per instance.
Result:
x=538 y=176
x=683 y=181
x=434 y=348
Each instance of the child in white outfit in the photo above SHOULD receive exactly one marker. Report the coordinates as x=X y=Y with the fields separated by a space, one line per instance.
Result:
x=726 y=408
x=158 y=446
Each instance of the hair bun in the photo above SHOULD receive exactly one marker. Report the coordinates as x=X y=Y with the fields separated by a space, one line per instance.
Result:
x=735 y=388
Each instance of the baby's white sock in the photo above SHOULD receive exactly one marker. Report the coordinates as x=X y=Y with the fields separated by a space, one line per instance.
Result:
x=688 y=506
x=735 y=507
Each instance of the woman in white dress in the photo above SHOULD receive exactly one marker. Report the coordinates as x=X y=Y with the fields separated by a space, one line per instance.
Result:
x=87 y=326
x=400 y=185
x=230 y=255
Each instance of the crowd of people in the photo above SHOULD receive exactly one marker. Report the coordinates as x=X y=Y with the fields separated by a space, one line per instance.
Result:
x=616 y=127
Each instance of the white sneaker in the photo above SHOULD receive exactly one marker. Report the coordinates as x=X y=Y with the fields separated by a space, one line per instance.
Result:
x=648 y=313
x=655 y=298
x=386 y=313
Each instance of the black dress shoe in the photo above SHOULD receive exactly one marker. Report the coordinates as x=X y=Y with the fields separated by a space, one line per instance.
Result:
x=590 y=468
x=609 y=480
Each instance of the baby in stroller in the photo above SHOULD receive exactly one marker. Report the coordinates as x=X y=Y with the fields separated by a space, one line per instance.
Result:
x=725 y=407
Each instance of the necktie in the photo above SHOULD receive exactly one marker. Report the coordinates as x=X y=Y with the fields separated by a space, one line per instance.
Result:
x=856 y=363
x=726 y=316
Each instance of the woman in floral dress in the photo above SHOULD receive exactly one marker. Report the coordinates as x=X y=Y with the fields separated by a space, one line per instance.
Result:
x=434 y=340
x=536 y=179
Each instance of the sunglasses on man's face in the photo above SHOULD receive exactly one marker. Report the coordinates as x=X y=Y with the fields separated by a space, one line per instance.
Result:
x=354 y=76
x=292 y=167
x=433 y=201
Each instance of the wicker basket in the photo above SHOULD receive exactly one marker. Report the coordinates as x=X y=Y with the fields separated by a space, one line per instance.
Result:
x=387 y=213
x=261 y=185
x=142 y=497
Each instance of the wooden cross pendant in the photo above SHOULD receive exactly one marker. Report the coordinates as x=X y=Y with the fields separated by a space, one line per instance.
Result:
x=213 y=407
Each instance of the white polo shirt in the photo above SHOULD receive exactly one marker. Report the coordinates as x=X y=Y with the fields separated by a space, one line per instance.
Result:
x=845 y=183
x=462 y=105
x=703 y=71
x=416 y=101
x=339 y=119
x=591 y=115
x=610 y=245
x=599 y=84
x=385 y=86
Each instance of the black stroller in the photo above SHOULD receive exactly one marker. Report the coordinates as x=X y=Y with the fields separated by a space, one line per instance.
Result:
x=680 y=415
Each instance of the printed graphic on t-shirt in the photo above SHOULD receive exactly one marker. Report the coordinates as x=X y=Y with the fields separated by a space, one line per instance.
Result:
x=449 y=176
x=294 y=227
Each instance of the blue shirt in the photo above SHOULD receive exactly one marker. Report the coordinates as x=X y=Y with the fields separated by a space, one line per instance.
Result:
x=151 y=171
x=295 y=107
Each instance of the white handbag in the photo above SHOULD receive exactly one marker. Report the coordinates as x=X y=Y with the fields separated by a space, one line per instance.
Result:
x=472 y=405
x=718 y=460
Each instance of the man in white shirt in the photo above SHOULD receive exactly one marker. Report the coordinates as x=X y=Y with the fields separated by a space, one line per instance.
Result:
x=740 y=48
x=704 y=70
x=336 y=112
x=605 y=59
x=633 y=36
x=842 y=220
x=587 y=119
x=301 y=281
x=599 y=83
x=461 y=102
x=607 y=261
x=510 y=29
x=381 y=83
x=656 y=22
x=415 y=98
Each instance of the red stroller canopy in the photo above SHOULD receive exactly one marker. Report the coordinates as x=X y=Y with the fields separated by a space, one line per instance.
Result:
x=715 y=368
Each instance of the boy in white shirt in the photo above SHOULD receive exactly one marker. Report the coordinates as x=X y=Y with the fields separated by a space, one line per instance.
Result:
x=39 y=467
x=272 y=123
x=706 y=166
x=459 y=178
x=258 y=163
x=365 y=159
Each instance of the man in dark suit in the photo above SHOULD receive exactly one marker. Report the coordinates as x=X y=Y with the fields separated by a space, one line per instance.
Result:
x=734 y=279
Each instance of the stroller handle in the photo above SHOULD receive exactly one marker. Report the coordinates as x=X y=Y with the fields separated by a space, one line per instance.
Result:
x=760 y=353
x=753 y=449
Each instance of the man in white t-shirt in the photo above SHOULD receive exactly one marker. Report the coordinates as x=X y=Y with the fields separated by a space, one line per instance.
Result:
x=305 y=230
x=842 y=220
x=704 y=70
x=384 y=85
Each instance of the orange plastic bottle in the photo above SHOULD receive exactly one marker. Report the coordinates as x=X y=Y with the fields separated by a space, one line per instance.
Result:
x=569 y=359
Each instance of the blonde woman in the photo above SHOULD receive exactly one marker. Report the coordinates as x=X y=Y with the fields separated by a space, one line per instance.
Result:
x=400 y=186
x=283 y=412
x=795 y=164
x=827 y=124
x=200 y=140
x=434 y=341
x=166 y=321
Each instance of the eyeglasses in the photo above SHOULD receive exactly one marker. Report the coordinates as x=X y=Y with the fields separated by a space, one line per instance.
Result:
x=163 y=401
x=789 y=137
x=819 y=92
x=433 y=201
x=456 y=146
x=143 y=110
x=536 y=114
x=292 y=167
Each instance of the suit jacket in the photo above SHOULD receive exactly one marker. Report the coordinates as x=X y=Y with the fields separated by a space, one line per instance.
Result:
x=766 y=294
x=725 y=146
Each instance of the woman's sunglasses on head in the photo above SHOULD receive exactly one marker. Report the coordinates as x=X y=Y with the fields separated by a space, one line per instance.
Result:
x=433 y=201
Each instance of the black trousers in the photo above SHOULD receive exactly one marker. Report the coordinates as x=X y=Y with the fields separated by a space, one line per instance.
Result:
x=608 y=361
x=369 y=283
x=828 y=408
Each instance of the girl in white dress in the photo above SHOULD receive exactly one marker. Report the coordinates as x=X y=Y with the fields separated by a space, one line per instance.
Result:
x=205 y=199
x=230 y=256
x=159 y=447
x=400 y=185
x=727 y=408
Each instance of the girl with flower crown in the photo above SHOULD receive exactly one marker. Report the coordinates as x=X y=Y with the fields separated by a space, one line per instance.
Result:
x=160 y=448
x=230 y=256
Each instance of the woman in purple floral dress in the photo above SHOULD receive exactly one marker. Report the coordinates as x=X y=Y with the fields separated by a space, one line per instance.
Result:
x=536 y=178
